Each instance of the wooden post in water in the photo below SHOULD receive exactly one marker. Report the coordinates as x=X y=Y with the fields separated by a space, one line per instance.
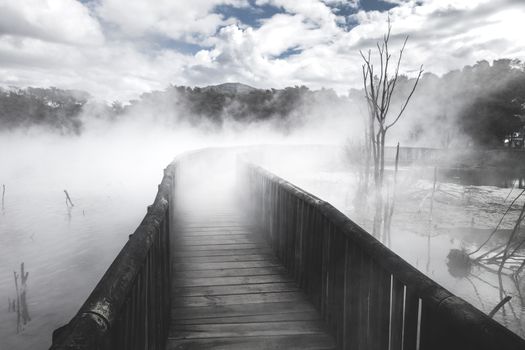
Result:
x=3 y=197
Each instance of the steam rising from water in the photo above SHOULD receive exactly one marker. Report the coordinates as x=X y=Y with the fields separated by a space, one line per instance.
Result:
x=111 y=172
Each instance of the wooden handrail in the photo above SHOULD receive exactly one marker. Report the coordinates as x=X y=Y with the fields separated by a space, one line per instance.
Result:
x=369 y=296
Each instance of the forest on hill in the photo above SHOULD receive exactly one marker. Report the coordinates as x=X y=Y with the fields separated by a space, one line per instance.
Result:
x=483 y=103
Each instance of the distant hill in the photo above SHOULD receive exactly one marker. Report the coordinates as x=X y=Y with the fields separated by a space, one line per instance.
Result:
x=230 y=88
x=478 y=105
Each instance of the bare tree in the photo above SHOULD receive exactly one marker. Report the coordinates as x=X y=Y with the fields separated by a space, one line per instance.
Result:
x=379 y=87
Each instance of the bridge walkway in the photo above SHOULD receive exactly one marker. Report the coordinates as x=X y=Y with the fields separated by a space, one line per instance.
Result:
x=229 y=291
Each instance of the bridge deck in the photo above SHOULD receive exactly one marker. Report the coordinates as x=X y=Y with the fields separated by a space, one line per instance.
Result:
x=230 y=292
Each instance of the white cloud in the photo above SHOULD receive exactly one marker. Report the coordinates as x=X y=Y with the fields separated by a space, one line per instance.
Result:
x=65 y=21
x=42 y=44
x=174 y=19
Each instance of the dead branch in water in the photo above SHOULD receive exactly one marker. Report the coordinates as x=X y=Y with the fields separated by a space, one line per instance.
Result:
x=68 y=199
x=495 y=230
x=499 y=306
x=17 y=303
x=510 y=241
x=22 y=311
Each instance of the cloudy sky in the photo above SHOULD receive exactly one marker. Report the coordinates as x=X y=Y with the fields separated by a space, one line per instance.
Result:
x=117 y=49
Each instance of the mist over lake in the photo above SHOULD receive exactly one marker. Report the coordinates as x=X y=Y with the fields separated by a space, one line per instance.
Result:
x=237 y=129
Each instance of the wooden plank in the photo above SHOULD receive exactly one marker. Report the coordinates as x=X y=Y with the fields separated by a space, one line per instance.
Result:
x=256 y=298
x=212 y=229
x=187 y=248
x=212 y=226
x=224 y=258
x=236 y=289
x=216 y=240
x=296 y=342
x=270 y=308
x=255 y=271
x=234 y=280
x=223 y=265
x=186 y=234
x=246 y=329
x=293 y=316
x=222 y=252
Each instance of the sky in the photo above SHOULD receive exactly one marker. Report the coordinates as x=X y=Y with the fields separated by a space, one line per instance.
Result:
x=118 y=49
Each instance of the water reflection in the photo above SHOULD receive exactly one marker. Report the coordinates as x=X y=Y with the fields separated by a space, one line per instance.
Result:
x=58 y=244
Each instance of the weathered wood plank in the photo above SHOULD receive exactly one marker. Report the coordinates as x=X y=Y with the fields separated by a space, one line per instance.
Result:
x=235 y=299
x=222 y=233
x=254 y=271
x=246 y=329
x=203 y=240
x=298 y=342
x=212 y=226
x=292 y=316
x=233 y=280
x=223 y=258
x=235 y=289
x=208 y=247
x=271 y=308
x=224 y=265
x=222 y=252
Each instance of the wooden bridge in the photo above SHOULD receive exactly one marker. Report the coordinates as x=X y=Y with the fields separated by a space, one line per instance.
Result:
x=258 y=263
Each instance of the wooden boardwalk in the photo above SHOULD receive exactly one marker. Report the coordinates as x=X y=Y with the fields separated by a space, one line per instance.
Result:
x=230 y=292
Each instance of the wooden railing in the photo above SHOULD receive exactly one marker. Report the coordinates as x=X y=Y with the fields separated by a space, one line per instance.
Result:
x=368 y=295
x=130 y=307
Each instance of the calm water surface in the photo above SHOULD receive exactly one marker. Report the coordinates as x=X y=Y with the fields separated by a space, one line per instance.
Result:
x=66 y=251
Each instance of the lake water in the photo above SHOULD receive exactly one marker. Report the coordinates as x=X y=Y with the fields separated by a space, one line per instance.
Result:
x=66 y=251
x=111 y=179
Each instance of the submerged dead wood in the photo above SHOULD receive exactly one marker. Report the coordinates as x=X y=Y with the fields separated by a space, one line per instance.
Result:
x=499 y=306
x=22 y=311
x=68 y=199
x=507 y=257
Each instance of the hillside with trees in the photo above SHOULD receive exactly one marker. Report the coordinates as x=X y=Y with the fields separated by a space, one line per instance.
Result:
x=52 y=108
x=475 y=106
